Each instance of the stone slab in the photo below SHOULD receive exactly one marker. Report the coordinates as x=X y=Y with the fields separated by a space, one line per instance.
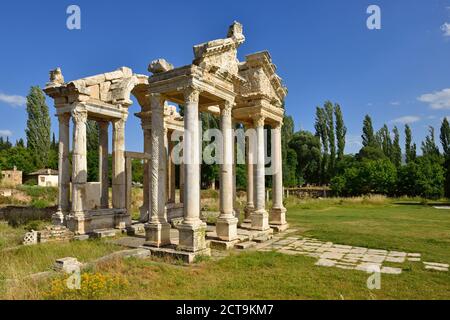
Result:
x=435 y=264
x=325 y=263
x=390 y=270
x=245 y=245
x=222 y=245
x=186 y=257
x=332 y=255
x=105 y=233
x=395 y=259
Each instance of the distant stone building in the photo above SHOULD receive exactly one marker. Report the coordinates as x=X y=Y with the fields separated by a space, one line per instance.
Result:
x=44 y=177
x=11 y=177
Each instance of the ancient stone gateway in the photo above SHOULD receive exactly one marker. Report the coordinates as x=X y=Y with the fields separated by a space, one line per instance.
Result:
x=249 y=93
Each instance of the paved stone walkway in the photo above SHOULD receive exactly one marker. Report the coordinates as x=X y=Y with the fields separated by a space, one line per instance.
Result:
x=329 y=254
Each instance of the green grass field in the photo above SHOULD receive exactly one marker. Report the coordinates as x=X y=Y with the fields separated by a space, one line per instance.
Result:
x=381 y=224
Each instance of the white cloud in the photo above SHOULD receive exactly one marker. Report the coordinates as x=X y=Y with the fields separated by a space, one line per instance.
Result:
x=13 y=100
x=395 y=103
x=446 y=29
x=353 y=142
x=406 y=119
x=5 y=133
x=437 y=100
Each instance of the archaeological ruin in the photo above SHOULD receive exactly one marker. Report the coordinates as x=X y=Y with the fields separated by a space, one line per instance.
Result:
x=249 y=93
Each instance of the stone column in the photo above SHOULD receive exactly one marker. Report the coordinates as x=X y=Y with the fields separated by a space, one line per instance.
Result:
x=181 y=183
x=250 y=207
x=103 y=163
x=145 y=209
x=63 y=170
x=79 y=172
x=260 y=217
x=172 y=170
x=118 y=165
x=158 y=229
x=192 y=231
x=226 y=226
x=278 y=212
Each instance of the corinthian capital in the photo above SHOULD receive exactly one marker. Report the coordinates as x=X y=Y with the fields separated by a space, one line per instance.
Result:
x=79 y=116
x=226 y=108
x=191 y=94
x=258 y=120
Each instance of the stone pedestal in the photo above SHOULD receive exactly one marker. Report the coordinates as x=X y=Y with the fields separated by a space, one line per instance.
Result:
x=192 y=237
x=157 y=234
x=78 y=223
x=278 y=216
x=260 y=220
x=226 y=228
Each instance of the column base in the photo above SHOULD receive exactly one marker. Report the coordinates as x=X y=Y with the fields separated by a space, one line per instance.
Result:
x=260 y=220
x=58 y=218
x=192 y=237
x=248 y=210
x=226 y=228
x=278 y=216
x=157 y=234
x=78 y=223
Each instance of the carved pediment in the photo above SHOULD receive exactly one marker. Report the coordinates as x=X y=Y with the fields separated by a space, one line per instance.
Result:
x=221 y=53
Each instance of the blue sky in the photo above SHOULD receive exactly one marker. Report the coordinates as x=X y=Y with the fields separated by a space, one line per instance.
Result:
x=323 y=51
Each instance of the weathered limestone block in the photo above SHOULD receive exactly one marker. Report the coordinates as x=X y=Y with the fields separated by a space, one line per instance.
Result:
x=67 y=265
x=192 y=237
x=159 y=66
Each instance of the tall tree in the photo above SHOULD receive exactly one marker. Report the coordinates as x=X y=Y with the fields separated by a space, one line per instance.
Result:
x=383 y=138
x=429 y=147
x=329 y=111
x=396 y=153
x=341 y=132
x=445 y=137
x=322 y=133
x=92 y=143
x=410 y=148
x=307 y=149
x=368 y=136
x=445 y=141
x=289 y=162
x=38 y=127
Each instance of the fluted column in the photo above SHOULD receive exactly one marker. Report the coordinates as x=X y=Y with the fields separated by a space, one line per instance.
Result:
x=103 y=163
x=79 y=172
x=192 y=230
x=226 y=226
x=145 y=209
x=250 y=206
x=278 y=212
x=118 y=165
x=63 y=170
x=158 y=229
x=260 y=217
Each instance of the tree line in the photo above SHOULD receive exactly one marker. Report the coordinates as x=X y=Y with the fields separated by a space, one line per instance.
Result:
x=379 y=167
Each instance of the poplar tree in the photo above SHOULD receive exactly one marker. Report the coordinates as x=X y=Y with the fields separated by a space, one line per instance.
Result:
x=410 y=148
x=38 y=127
x=368 y=137
x=341 y=131
x=329 y=112
x=396 y=153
